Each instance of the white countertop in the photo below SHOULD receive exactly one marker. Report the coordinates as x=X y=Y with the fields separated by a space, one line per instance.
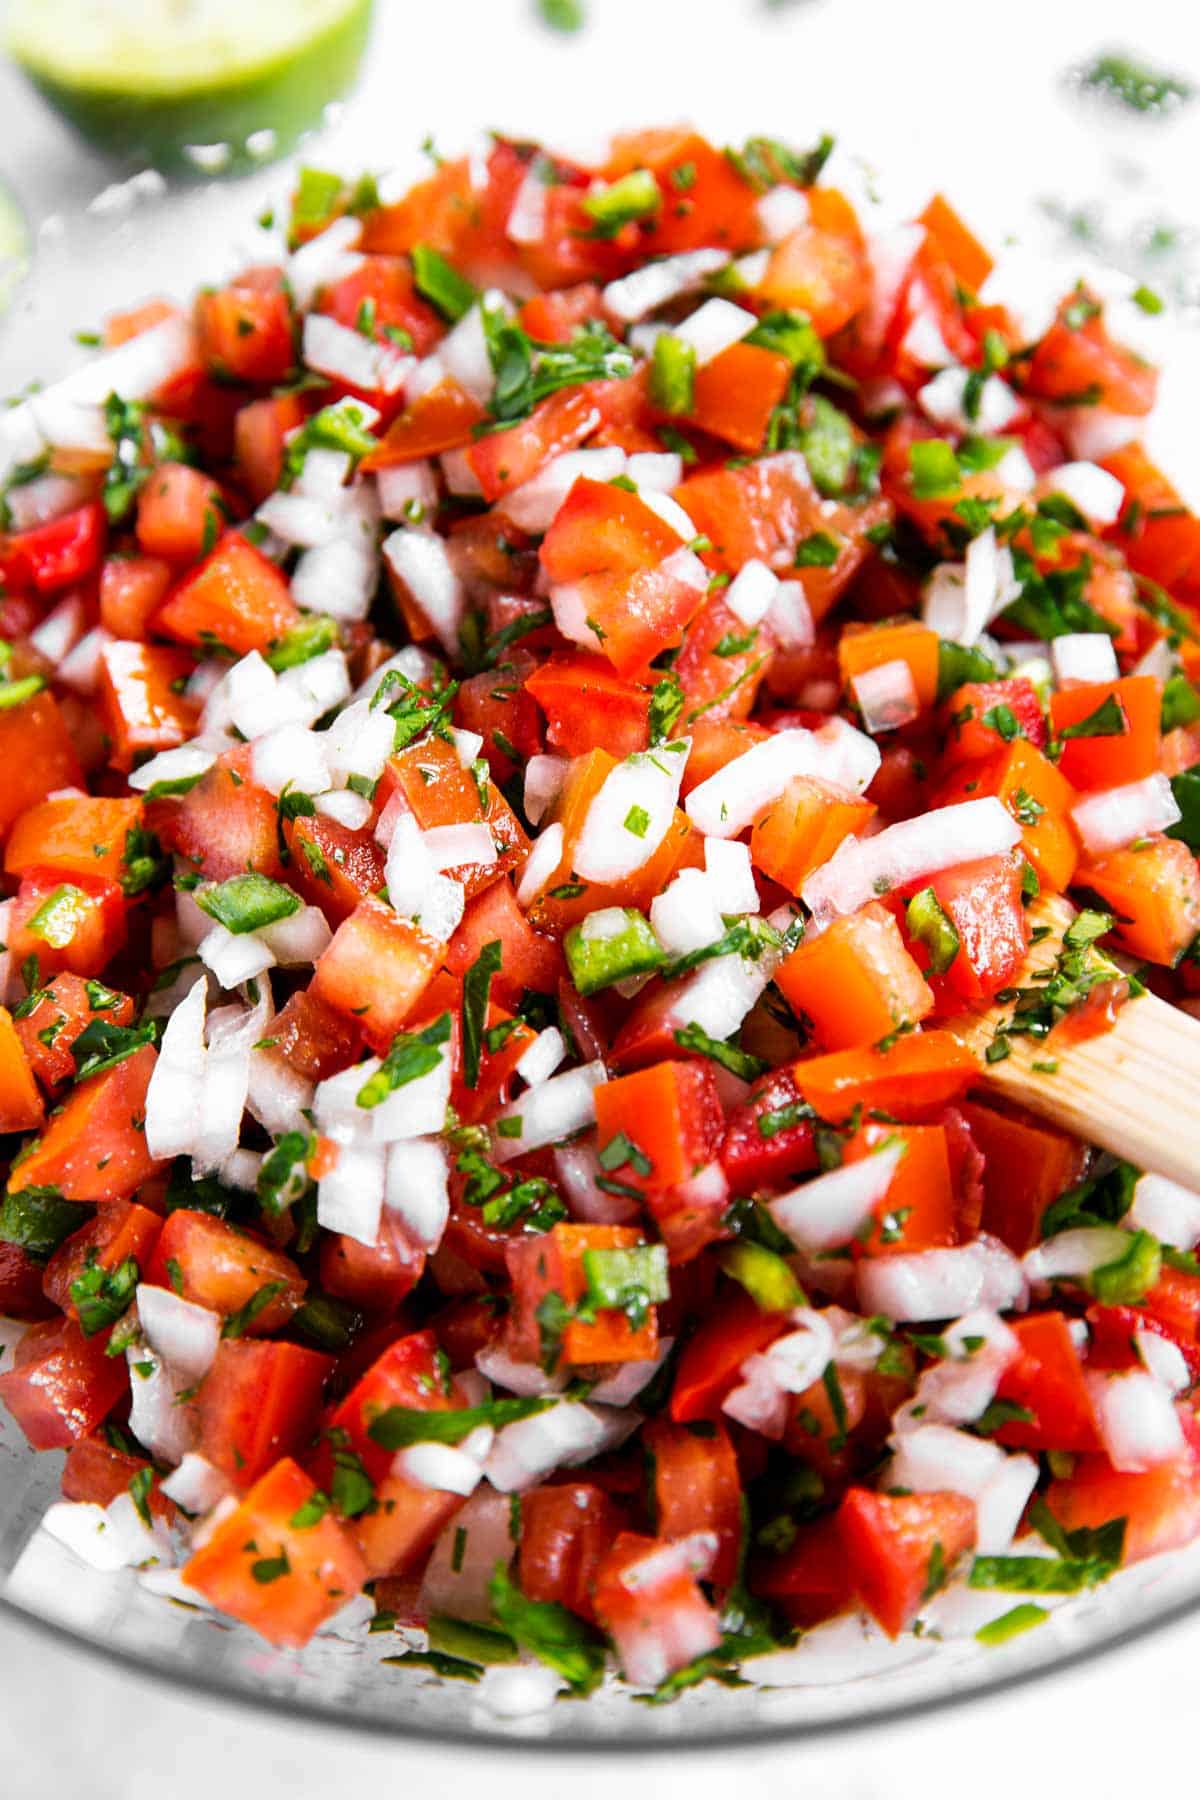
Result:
x=69 y=1726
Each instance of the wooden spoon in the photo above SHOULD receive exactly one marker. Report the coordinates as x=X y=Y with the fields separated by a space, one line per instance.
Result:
x=1135 y=1089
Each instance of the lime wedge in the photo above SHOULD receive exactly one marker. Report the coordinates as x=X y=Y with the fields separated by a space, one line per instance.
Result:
x=203 y=86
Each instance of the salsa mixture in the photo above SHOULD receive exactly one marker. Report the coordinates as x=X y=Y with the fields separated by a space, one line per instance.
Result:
x=530 y=722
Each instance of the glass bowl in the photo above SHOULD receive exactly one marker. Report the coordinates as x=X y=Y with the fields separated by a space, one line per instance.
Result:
x=1039 y=163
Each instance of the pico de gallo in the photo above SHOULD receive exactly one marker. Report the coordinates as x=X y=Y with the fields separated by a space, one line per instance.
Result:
x=530 y=716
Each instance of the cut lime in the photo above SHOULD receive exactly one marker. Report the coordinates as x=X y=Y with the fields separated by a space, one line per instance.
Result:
x=14 y=247
x=198 y=85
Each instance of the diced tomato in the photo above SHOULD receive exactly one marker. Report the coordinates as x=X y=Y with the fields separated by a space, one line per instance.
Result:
x=913 y=1079
x=1047 y=1380
x=504 y=460
x=770 y=1136
x=822 y=267
x=897 y=1544
x=588 y=706
x=225 y=824
x=66 y=924
x=213 y=1264
x=259 y=1402
x=1153 y=890
x=497 y=706
x=1037 y=796
x=704 y=199
x=906 y=641
x=37 y=754
x=245 y=329
x=314 y=1039
x=437 y=790
x=120 y=1230
x=610 y=547
x=697 y=1488
x=811 y=1580
x=982 y=900
x=803 y=828
x=179 y=512
x=376 y=969
x=555 y=318
x=1120 y=721
x=552 y=1263
x=380 y=297
x=736 y=392
x=443 y=419
x=270 y=1567
x=1028 y=1164
x=712 y=1359
x=1161 y=1507
x=918 y=1211
x=131 y=591
x=94 y=1147
x=97 y=1471
x=56 y=555
x=376 y=1276
x=333 y=867
x=672 y=1115
x=62 y=1384
x=648 y=1599
x=76 y=835
x=21 y=1295
x=856 y=982
x=528 y=961
x=720 y=665
x=235 y=599
x=957 y=243
x=141 y=702
x=1076 y=363
x=565 y=1533
x=21 y=1107
x=406 y=1375
x=984 y=715
x=259 y=434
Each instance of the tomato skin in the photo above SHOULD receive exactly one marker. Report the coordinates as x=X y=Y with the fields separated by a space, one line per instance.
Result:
x=1071 y=361
x=94 y=914
x=340 y=867
x=258 y=1402
x=918 y=1210
x=588 y=706
x=177 y=509
x=80 y=835
x=657 y=1625
x=503 y=713
x=811 y=1581
x=504 y=460
x=443 y=419
x=889 y=1541
x=213 y=1264
x=717 y=208
x=21 y=1106
x=821 y=268
x=384 y=284
x=377 y=1276
x=1153 y=890
x=856 y=982
x=62 y=1384
x=1107 y=761
x=92 y=1149
x=322 y=1568
x=259 y=433
x=55 y=555
x=736 y=393
x=565 y=1532
x=552 y=1263
x=95 y=1470
x=529 y=960
x=1161 y=1507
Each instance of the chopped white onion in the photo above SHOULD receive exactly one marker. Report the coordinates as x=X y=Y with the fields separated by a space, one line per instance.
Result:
x=186 y=763
x=781 y=211
x=1168 y=1211
x=1164 y=1359
x=1136 y=1418
x=185 y=1335
x=442 y=1467
x=829 y=1210
x=733 y=798
x=415 y=1188
x=788 y=1366
x=565 y=1435
x=422 y=562
x=1117 y=816
x=408 y=491
x=544 y=778
x=450 y=846
x=549 y=1113
x=577 y=1168
x=790 y=616
x=863 y=868
x=539 y=1061
x=291 y=755
x=886 y=696
x=944 y=399
x=1083 y=656
x=540 y=865
x=350 y=1195
x=349 y=357
x=458 y=1576
x=1098 y=495
x=324 y=259
x=750 y=593
x=1071 y=1255
x=80 y=667
x=911 y=1287
x=631 y=814
x=196 y=1485
x=713 y=327
x=653 y=285
x=534 y=504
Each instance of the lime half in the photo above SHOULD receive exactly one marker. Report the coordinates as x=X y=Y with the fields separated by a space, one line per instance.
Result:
x=198 y=85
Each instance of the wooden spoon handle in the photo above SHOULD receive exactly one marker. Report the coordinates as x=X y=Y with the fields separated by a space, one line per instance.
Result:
x=1135 y=1089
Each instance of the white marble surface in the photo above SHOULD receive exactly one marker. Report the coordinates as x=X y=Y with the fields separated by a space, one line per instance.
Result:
x=69 y=1727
